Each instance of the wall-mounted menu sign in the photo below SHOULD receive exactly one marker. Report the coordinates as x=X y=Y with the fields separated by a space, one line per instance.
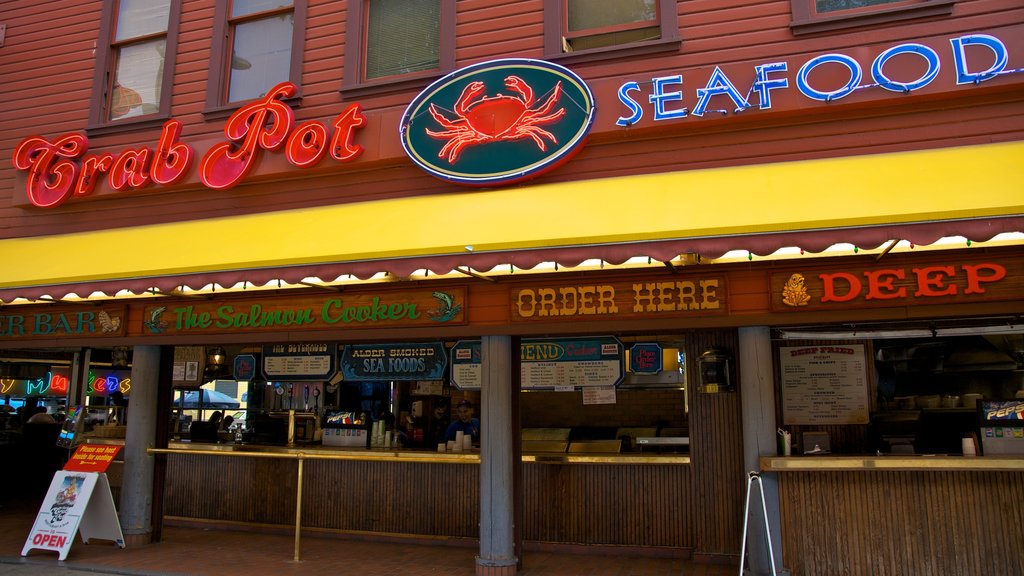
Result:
x=550 y=363
x=824 y=385
x=298 y=361
x=411 y=361
x=466 y=365
x=555 y=362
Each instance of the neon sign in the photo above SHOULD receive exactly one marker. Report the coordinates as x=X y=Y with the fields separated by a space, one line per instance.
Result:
x=498 y=122
x=666 y=101
x=60 y=169
x=58 y=384
x=100 y=385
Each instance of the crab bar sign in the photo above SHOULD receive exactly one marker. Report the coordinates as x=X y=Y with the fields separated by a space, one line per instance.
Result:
x=498 y=122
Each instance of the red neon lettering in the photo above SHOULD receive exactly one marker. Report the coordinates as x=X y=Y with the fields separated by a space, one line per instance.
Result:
x=92 y=166
x=59 y=383
x=54 y=176
x=931 y=281
x=307 y=145
x=51 y=172
x=264 y=124
x=99 y=385
x=173 y=158
x=976 y=276
x=345 y=124
x=884 y=280
x=853 y=286
x=130 y=170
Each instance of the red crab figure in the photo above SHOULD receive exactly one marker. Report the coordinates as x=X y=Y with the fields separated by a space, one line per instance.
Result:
x=493 y=118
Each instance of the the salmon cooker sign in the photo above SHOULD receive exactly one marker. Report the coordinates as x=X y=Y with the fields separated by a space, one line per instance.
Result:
x=498 y=122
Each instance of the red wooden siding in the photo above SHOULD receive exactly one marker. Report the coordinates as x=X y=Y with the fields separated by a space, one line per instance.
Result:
x=35 y=61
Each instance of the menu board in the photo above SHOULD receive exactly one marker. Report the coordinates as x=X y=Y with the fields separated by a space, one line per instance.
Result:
x=824 y=385
x=298 y=361
x=467 y=365
x=578 y=362
x=549 y=363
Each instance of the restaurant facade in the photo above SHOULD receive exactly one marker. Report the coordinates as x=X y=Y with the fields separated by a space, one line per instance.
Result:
x=672 y=260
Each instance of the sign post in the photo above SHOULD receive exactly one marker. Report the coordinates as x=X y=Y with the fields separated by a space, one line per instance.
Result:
x=79 y=500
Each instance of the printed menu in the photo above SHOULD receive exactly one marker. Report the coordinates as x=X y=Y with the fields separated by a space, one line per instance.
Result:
x=824 y=385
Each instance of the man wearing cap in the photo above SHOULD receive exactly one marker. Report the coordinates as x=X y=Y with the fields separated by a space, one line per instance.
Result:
x=465 y=423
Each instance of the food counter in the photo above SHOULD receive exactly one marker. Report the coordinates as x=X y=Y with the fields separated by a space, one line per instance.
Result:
x=430 y=494
x=898 y=462
x=900 y=514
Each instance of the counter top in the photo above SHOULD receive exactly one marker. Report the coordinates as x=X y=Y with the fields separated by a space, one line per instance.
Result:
x=316 y=451
x=897 y=462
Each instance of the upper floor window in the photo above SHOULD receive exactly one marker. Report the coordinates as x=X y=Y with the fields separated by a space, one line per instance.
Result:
x=136 y=68
x=261 y=47
x=603 y=25
x=811 y=16
x=823 y=6
x=396 y=40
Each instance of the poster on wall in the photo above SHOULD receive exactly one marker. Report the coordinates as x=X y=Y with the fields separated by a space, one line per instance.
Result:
x=824 y=385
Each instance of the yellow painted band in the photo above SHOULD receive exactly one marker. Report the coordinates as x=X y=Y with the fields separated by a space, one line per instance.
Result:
x=928 y=185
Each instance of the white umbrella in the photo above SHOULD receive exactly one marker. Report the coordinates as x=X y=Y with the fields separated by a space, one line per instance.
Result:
x=210 y=399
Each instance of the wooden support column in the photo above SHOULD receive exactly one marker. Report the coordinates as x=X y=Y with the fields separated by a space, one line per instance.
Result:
x=757 y=399
x=137 y=490
x=497 y=540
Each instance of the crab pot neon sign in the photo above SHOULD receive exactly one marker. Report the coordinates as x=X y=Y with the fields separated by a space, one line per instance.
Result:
x=61 y=169
x=498 y=122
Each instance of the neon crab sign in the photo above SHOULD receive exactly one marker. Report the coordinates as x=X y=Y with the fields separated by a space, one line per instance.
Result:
x=480 y=119
x=464 y=129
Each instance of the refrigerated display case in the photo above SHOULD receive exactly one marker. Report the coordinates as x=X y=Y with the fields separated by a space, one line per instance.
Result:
x=1001 y=426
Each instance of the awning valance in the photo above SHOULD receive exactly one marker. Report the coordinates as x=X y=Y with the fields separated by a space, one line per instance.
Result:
x=921 y=196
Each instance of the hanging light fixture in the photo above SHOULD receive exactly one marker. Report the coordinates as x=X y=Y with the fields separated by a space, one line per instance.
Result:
x=119 y=356
x=216 y=363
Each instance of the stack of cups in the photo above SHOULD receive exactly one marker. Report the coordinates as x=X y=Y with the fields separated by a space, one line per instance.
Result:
x=459 y=442
x=467 y=442
x=969 y=448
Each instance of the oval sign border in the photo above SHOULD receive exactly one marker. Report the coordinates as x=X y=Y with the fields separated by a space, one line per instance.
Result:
x=549 y=162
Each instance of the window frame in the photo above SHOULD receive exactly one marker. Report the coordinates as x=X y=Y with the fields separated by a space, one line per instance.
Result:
x=103 y=75
x=217 y=87
x=556 y=26
x=354 y=84
x=807 y=21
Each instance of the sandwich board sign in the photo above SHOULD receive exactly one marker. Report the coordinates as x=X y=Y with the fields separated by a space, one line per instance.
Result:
x=79 y=500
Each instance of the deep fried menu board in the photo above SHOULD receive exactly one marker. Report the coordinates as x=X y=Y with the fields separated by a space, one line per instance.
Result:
x=824 y=385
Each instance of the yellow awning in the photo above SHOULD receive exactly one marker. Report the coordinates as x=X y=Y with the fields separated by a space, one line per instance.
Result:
x=927 y=186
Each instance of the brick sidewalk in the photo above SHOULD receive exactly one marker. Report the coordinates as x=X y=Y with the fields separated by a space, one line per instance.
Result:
x=221 y=552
